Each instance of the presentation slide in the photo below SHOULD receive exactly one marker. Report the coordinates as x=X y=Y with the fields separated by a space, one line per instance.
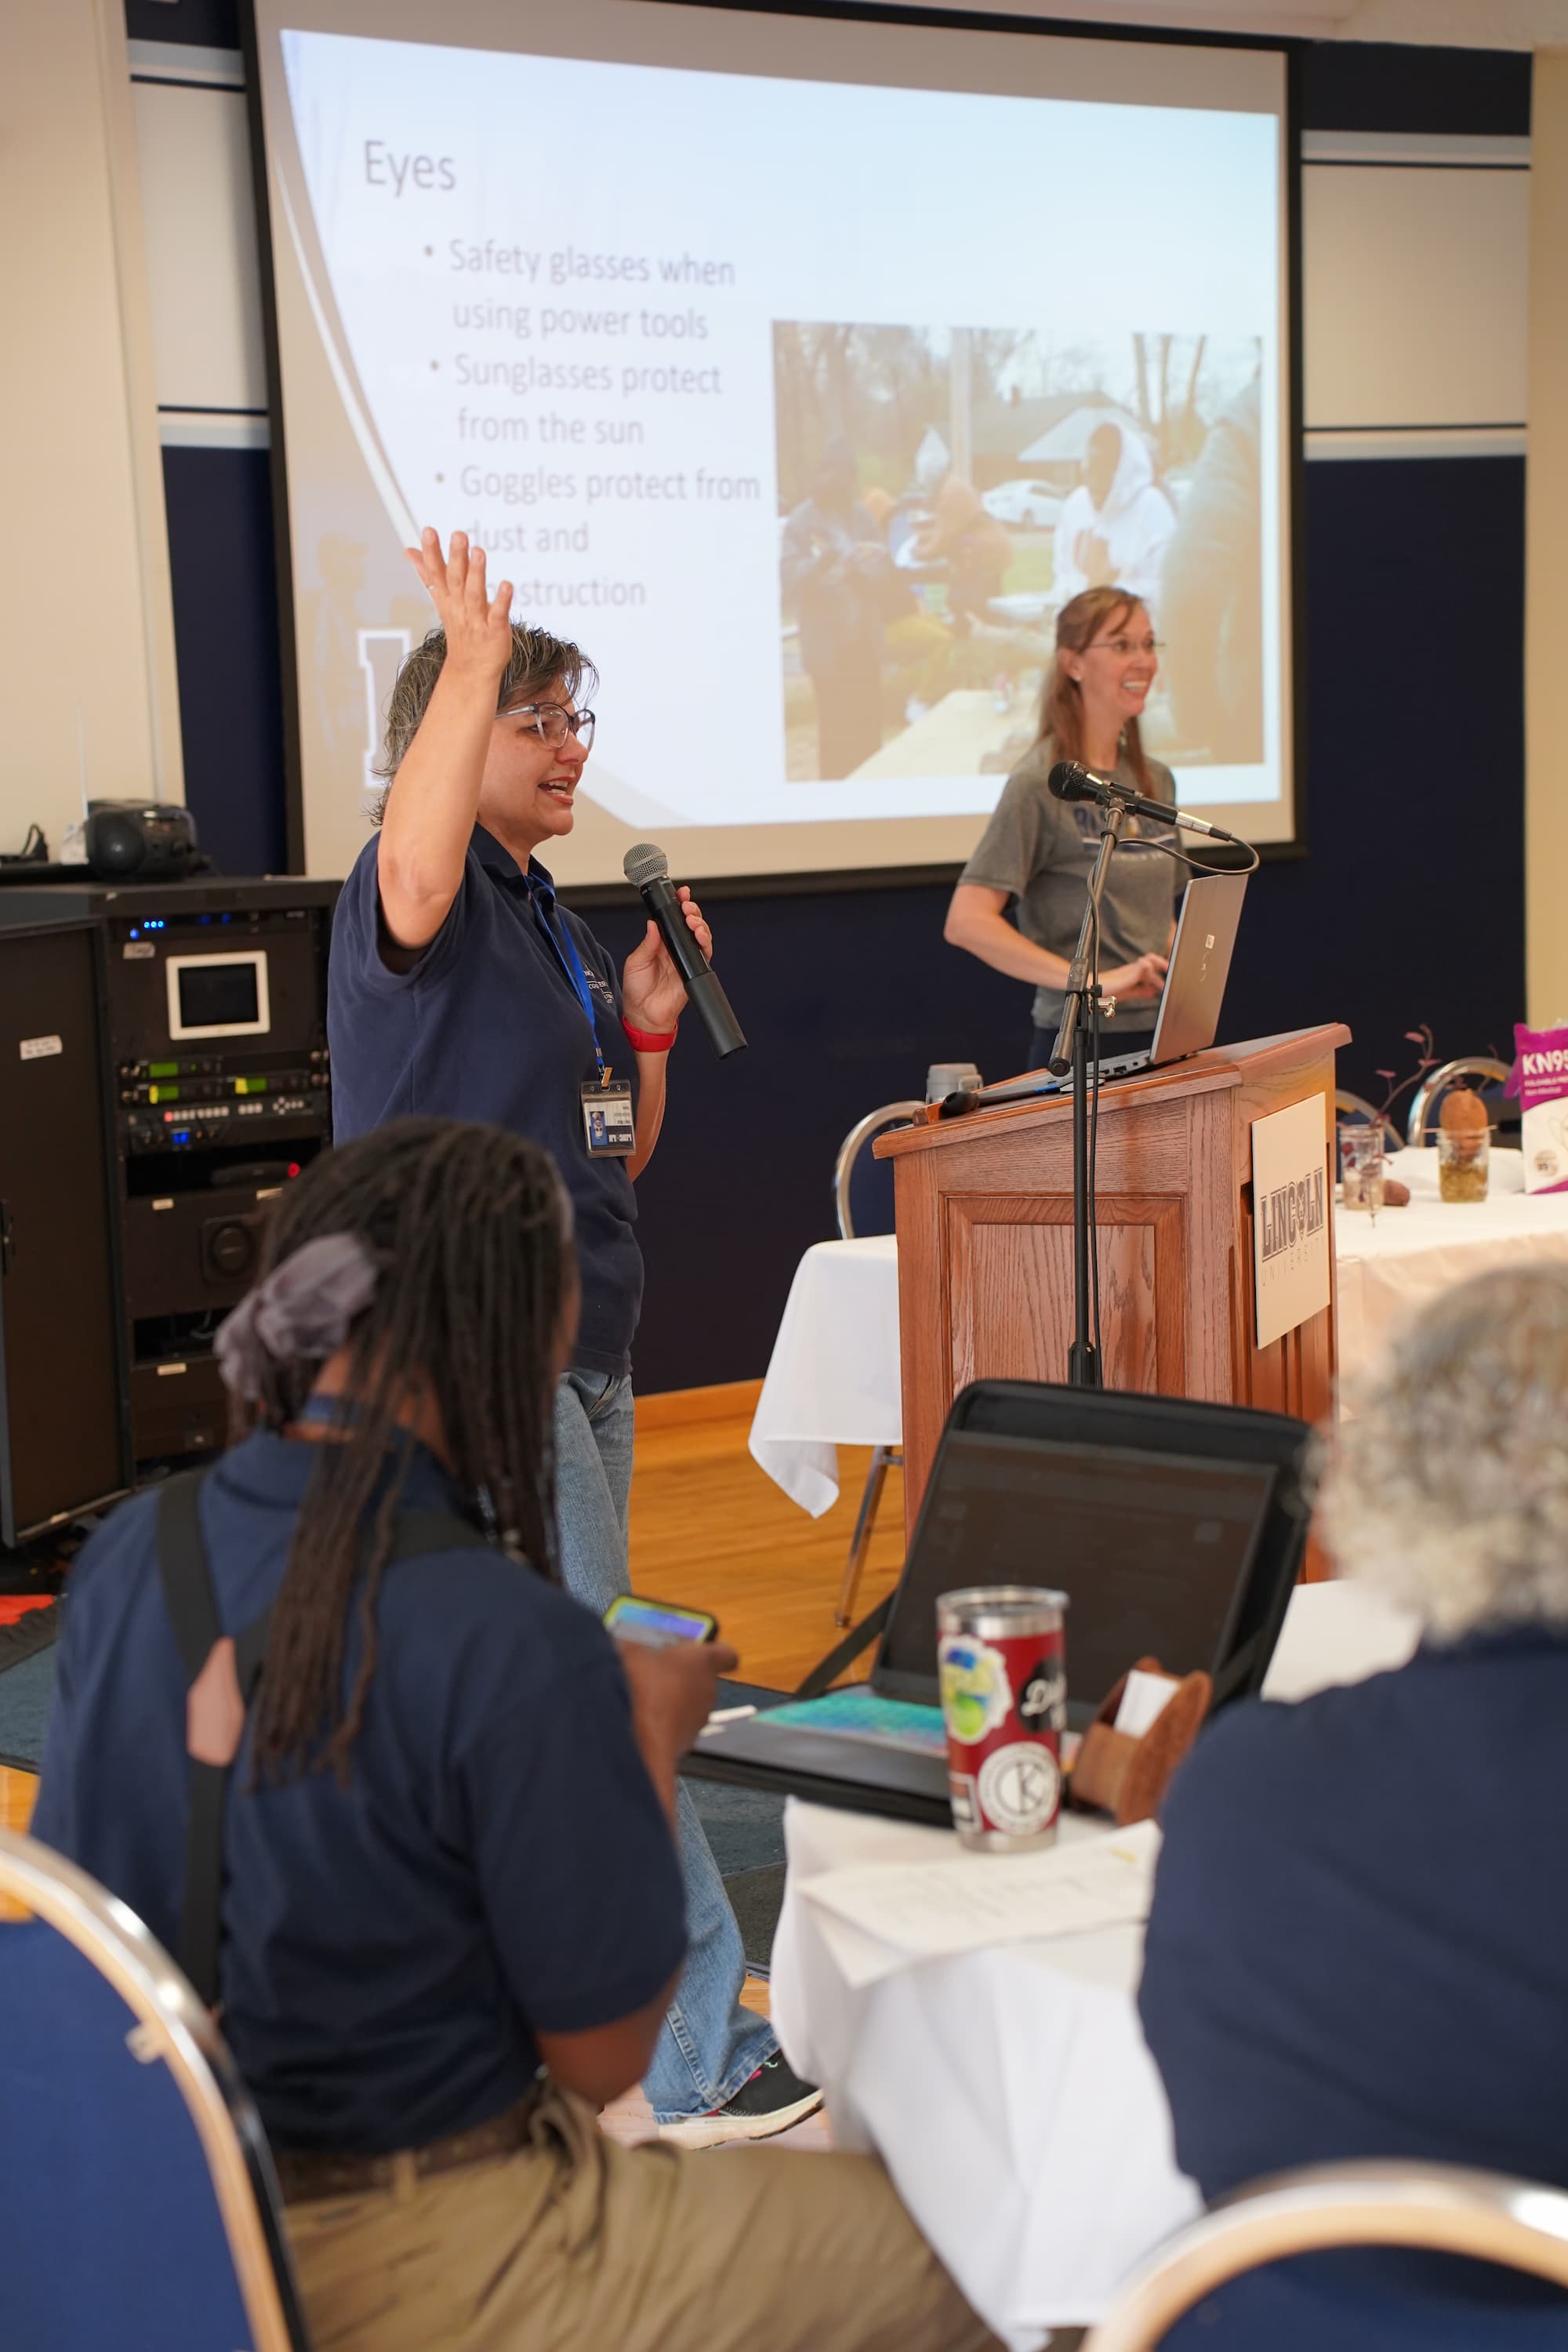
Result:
x=800 y=387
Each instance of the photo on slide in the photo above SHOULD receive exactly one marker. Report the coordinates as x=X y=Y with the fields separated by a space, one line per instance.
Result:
x=944 y=491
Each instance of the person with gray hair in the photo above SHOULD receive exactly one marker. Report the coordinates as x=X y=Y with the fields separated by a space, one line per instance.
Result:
x=1448 y=1490
x=460 y=987
x=1358 y=1946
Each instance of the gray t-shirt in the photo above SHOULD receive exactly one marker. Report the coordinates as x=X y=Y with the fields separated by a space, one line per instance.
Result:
x=1041 y=851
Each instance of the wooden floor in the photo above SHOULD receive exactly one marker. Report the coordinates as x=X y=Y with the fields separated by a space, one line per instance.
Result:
x=711 y=1529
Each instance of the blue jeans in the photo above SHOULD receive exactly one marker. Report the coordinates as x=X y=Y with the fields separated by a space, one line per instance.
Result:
x=709 y=2044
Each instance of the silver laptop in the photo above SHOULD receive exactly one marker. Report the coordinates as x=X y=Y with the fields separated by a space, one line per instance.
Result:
x=1188 y=1018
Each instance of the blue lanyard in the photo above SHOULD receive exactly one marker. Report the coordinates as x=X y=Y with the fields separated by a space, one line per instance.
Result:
x=570 y=964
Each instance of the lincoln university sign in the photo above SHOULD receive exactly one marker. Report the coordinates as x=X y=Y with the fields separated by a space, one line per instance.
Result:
x=1291 y=1213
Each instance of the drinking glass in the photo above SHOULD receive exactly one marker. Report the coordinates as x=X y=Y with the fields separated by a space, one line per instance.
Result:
x=1464 y=1159
x=1362 y=1167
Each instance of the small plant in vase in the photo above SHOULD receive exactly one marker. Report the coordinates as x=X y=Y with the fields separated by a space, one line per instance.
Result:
x=1397 y=1087
x=1365 y=1182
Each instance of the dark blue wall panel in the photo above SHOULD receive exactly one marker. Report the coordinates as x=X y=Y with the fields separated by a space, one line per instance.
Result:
x=225 y=632
x=1409 y=904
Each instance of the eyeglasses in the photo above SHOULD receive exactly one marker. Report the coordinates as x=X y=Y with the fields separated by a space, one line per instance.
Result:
x=1122 y=647
x=552 y=722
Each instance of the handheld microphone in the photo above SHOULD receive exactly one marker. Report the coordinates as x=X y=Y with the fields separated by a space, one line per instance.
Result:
x=1071 y=781
x=646 y=867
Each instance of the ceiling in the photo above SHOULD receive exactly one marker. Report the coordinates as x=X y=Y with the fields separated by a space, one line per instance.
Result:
x=1459 y=23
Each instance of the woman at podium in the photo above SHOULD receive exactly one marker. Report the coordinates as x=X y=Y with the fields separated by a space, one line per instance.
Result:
x=1038 y=852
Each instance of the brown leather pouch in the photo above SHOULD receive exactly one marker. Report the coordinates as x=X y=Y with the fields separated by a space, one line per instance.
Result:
x=1115 y=1773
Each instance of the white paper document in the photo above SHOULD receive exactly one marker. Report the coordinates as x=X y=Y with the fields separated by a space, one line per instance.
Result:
x=963 y=1902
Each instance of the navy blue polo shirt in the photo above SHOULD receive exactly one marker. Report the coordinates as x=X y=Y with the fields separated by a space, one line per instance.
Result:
x=500 y=1864
x=487 y=1025
x=1359 y=1949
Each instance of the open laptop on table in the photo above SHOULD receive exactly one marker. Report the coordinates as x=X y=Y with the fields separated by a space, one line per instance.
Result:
x=1175 y=1529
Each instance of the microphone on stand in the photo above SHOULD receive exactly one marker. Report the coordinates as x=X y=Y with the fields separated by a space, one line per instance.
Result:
x=1071 y=781
x=646 y=867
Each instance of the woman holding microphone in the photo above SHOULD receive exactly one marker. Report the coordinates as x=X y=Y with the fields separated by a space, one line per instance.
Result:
x=1040 y=852
x=460 y=987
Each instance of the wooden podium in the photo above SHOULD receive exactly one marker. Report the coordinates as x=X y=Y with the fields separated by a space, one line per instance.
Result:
x=984 y=1210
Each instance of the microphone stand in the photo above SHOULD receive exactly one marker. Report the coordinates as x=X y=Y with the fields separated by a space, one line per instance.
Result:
x=1071 y=1050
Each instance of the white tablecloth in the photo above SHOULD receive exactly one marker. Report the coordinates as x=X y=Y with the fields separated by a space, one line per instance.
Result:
x=834 y=1375
x=1389 y=1265
x=833 y=1379
x=1009 y=2091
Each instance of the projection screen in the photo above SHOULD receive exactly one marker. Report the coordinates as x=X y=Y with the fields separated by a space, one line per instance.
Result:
x=798 y=370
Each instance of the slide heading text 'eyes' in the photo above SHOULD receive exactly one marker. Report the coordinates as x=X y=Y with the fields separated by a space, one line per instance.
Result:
x=383 y=169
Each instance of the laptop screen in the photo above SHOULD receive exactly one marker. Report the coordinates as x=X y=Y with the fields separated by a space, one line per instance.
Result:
x=1188 y=1018
x=1152 y=1550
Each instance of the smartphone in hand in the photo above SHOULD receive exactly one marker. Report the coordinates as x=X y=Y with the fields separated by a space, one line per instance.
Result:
x=631 y=1618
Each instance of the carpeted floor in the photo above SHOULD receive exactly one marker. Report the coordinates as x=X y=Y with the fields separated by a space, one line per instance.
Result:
x=25 y=1692
x=756 y=1896
x=744 y=1830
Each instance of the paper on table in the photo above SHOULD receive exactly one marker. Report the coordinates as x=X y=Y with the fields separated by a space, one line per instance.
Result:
x=923 y=1910
x=1143 y=1698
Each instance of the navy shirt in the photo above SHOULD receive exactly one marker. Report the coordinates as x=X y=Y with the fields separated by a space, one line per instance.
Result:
x=500 y=1864
x=1359 y=1940
x=487 y=1025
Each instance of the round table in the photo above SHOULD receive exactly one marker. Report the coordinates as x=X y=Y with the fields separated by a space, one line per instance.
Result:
x=833 y=1379
x=1008 y=2088
x=1388 y=1266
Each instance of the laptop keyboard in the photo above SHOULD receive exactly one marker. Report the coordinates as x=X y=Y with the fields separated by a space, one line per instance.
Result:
x=1111 y=1065
x=859 y=1714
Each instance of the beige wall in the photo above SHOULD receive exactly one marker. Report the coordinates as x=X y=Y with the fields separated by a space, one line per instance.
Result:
x=86 y=627
x=1546 y=569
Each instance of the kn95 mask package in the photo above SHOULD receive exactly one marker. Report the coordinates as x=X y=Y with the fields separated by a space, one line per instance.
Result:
x=1541 y=1080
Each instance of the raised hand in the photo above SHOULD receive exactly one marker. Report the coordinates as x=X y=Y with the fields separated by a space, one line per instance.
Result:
x=478 y=625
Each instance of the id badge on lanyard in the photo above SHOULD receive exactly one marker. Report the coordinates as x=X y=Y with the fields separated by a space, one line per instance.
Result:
x=609 y=1124
x=610 y=1121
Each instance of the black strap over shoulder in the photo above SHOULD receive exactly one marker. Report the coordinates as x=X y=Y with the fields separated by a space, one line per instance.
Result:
x=182 y=1569
x=187 y=1585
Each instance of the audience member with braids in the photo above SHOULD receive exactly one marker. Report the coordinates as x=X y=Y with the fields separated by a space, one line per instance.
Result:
x=460 y=987
x=452 y=1913
x=478 y=1304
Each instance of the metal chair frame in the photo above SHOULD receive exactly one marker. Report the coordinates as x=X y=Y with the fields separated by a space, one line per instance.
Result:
x=1469 y=1066
x=173 y=2026
x=885 y=1457
x=849 y=1151
x=1439 y=2208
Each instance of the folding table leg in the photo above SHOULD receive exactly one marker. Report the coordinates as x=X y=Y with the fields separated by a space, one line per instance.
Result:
x=882 y=1458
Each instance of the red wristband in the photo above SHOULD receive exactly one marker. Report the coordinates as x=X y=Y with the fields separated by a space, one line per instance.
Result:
x=648 y=1041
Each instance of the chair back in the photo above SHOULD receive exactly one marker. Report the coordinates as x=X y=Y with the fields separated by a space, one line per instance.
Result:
x=890 y=1115
x=1435 y=2207
x=1424 y=1100
x=140 y=2201
x=1349 y=1106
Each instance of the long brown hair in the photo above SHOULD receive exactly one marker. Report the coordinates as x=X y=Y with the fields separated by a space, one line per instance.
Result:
x=1078 y=623
x=472 y=1229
